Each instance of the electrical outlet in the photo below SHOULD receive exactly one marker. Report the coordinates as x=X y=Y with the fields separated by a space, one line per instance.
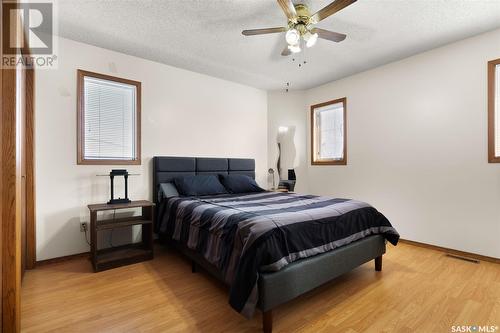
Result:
x=83 y=227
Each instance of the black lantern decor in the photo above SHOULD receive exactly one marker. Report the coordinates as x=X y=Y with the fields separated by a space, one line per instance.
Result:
x=112 y=174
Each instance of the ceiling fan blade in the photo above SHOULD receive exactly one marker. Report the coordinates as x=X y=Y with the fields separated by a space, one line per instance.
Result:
x=330 y=35
x=286 y=51
x=288 y=8
x=252 y=32
x=331 y=9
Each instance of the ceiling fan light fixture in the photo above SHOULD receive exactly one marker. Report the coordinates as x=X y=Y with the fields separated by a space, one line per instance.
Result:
x=300 y=30
x=292 y=37
x=294 y=48
x=311 y=40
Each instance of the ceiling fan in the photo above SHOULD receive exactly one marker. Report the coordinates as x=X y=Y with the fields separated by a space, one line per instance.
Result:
x=301 y=25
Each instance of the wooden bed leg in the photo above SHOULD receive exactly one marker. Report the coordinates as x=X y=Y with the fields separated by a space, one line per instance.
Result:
x=267 y=321
x=193 y=266
x=378 y=264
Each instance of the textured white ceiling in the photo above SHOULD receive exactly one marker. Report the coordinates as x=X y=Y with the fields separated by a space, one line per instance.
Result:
x=205 y=36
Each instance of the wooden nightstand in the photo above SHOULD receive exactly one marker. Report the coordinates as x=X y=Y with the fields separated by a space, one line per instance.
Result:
x=125 y=254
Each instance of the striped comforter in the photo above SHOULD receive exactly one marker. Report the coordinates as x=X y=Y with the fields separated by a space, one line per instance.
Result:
x=244 y=234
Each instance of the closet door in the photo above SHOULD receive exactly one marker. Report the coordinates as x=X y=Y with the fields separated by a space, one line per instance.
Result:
x=29 y=161
x=12 y=110
x=26 y=89
x=17 y=185
x=11 y=196
x=1 y=188
x=22 y=154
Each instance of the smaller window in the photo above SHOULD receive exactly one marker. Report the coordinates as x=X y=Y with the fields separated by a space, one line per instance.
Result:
x=328 y=133
x=494 y=111
x=108 y=119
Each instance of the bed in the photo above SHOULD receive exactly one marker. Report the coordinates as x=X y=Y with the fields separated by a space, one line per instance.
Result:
x=268 y=247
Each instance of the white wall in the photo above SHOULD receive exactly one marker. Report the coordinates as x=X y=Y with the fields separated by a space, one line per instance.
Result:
x=288 y=111
x=183 y=114
x=417 y=145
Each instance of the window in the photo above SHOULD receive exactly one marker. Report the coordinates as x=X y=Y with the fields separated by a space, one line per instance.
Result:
x=494 y=111
x=109 y=122
x=328 y=133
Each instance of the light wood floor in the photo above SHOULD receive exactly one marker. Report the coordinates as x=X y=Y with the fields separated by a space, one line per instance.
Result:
x=419 y=290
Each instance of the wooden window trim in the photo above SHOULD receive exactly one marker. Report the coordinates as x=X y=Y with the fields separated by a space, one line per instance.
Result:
x=491 y=111
x=343 y=161
x=80 y=120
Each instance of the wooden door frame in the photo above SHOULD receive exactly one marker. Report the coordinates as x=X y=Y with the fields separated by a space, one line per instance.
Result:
x=11 y=205
x=30 y=170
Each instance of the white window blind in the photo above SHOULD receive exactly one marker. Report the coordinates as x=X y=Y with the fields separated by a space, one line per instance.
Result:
x=330 y=132
x=109 y=120
x=497 y=111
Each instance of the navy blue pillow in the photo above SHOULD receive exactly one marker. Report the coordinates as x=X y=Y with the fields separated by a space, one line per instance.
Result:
x=199 y=185
x=240 y=184
x=167 y=190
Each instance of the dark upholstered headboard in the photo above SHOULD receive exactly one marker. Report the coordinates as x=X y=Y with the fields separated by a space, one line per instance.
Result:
x=166 y=168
